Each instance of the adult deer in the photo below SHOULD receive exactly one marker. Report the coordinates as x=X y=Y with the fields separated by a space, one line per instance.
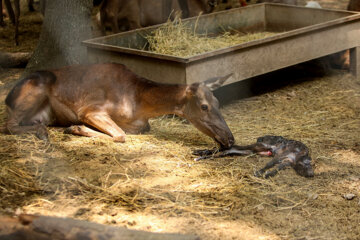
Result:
x=111 y=99
x=133 y=14
x=14 y=16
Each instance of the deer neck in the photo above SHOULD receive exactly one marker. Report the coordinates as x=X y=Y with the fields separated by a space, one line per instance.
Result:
x=161 y=99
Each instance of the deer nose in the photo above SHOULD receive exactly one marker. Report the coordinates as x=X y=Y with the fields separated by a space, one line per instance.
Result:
x=231 y=141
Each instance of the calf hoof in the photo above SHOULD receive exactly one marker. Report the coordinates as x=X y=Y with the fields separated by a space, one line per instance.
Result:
x=119 y=139
x=258 y=174
x=203 y=152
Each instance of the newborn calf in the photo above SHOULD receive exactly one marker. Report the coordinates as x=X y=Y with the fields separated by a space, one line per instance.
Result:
x=285 y=153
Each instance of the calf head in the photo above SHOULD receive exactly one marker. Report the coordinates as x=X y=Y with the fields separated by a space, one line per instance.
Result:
x=303 y=167
x=202 y=110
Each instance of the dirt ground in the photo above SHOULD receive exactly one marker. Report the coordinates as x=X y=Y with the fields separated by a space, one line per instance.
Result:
x=152 y=183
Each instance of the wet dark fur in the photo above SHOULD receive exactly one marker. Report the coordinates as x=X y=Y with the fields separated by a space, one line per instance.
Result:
x=285 y=153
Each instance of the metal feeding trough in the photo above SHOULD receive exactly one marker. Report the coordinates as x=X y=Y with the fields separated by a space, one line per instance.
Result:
x=302 y=34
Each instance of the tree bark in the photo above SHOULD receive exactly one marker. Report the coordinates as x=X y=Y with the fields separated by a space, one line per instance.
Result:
x=30 y=227
x=19 y=59
x=66 y=24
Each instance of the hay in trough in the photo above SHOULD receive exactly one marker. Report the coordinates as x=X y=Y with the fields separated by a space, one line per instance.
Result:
x=178 y=39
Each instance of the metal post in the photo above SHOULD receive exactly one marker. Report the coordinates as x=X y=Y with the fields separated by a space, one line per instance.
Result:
x=355 y=61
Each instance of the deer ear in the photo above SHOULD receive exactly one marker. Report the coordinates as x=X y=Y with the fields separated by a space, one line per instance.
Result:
x=192 y=89
x=216 y=82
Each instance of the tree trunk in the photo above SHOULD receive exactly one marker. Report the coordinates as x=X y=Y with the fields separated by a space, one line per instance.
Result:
x=30 y=227
x=19 y=59
x=66 y=24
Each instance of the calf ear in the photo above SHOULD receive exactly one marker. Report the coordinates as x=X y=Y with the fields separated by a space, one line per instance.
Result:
x=216 y=82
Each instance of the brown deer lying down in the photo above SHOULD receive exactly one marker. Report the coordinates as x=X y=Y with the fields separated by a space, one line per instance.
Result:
x=285 y=152
x=111 y=99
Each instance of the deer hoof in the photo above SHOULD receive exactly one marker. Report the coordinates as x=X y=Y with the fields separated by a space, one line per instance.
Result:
x=119 y=139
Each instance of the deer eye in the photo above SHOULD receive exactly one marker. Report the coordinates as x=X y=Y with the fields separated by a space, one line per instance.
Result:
x=204 y=107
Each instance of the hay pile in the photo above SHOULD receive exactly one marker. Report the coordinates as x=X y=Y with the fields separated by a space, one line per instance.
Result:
x=178 y=39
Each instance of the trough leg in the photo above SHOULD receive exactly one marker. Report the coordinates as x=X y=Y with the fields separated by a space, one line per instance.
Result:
x=355 y=62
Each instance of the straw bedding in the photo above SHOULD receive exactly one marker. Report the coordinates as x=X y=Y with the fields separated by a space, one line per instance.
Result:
x=152 y=183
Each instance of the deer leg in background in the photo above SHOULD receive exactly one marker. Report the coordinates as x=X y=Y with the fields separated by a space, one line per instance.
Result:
x=10 y=11
x=114 y=24
x=105 y=124
x=17 y=16
x=30 y=4
x=1 y=14
x=184 y=8
x=166 y=9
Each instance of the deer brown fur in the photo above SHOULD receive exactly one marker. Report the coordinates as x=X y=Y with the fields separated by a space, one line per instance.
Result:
x=109 y=100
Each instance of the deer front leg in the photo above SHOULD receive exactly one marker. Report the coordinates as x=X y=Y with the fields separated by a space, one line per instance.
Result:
x=82 y=130
x=105 y=124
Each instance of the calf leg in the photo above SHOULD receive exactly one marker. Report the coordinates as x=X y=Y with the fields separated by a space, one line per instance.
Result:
x=235 y=150
x=270 y=164
x=278 y=168
x=105 y=124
